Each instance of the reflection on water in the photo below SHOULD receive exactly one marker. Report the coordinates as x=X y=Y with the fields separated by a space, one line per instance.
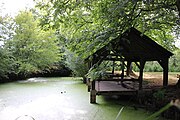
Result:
x=58 y=99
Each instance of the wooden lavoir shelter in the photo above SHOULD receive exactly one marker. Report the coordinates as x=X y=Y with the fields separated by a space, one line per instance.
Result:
x=131 y=46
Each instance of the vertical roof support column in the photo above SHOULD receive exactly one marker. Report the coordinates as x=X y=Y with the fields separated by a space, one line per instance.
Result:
x=113 y=67
x=122 y=68
x=93 y=92
x=142 y=63
x=165 y=72
x=129 y=68
x=164 y=64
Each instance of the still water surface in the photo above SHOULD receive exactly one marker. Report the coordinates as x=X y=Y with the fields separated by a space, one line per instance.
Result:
x=60 y=99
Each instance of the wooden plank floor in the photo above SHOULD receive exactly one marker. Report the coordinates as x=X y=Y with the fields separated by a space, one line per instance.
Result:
x=113 y=87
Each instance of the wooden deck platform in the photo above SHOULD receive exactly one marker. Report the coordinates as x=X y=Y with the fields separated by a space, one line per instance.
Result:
x=114 y=88
x=111 y=86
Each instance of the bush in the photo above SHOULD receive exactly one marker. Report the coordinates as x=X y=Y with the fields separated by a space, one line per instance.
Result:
x=160 y=94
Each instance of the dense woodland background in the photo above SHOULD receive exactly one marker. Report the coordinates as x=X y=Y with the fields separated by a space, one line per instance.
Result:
x=57 y=35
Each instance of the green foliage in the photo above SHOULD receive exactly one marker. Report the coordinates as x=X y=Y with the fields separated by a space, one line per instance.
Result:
x=163 y=38
x=174 y=62
x=89 y=24
x=153 y=66
x=160 y=94
x=6 y=63
x=32 y=48
x=75 y=63
x=98 y=72
x=6 y=28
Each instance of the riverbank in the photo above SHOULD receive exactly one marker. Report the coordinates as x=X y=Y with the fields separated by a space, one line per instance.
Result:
x=160 y=96
x=59 y=71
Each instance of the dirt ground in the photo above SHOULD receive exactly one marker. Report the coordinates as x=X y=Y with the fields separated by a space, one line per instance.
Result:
x=156 y=78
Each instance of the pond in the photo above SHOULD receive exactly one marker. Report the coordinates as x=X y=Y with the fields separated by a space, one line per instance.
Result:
x=64 y=98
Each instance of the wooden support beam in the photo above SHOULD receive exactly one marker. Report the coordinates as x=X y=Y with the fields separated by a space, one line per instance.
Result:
x=142 y=63
x=161 y=63
x=164 y=64
x=130 y=92
x=88 y=83
x=117 y=79
x=165 y=72
x=113 y=67
x=122 y=68
x=137 y=64
x=128 y=68
x=178 y=83
x=93 y=92
x=84 y=80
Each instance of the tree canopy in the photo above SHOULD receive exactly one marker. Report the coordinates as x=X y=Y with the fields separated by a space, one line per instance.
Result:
x=92 y=23
x=32 y=48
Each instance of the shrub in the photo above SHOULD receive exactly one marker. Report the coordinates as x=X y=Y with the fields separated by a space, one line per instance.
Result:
x=160 y=94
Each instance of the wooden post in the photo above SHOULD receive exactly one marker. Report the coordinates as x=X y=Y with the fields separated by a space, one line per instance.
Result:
x=142 y=63
x=113 y=67
x=84 y=80
x=164 y=64
x=165 y=72
x=93 y=92
x=178 y=83
x=128 y=68
x=88 y=83
x=122 y=67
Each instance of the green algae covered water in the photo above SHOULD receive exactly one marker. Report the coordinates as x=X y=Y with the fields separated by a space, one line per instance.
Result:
x=60 y=99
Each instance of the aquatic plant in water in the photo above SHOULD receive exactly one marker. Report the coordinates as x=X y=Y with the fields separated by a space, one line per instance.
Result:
x=117 y=117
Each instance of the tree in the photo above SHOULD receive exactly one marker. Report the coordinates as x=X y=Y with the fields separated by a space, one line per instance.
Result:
x=6 y=63
x=32 y=48
x=6 y=28
x=175 y=61
x=92 y=23
x=6 y=32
